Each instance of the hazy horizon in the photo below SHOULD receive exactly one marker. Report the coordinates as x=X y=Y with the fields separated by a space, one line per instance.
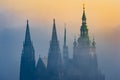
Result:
x=103 y=22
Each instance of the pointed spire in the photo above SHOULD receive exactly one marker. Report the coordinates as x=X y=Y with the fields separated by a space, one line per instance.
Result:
x=54 y=64
x=84 y=29
x=27 y=36
x=27 y=65
x=75 y=43
x=40 y=63
x=65 y=36
x=41 y=72
x=94 y=43
x=54 y=32
x=84 y=15
x=65 y=49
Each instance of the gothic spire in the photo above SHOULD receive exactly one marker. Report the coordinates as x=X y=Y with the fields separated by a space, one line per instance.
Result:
x=65 y=50
x=54 y=33
x=27 y=66
x=65 y=36
x=54 y=57
x=27 y=35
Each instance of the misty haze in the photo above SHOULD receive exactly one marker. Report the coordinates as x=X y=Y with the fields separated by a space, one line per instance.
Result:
x=59 y=40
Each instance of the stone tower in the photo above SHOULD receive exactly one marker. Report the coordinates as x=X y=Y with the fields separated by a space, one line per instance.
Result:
x=27 y=66
x=84 y=55
x=54 y=57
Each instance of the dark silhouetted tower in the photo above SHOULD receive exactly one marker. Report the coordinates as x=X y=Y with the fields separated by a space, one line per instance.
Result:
x=27 y=66
x=54 y=57
x=65 y=50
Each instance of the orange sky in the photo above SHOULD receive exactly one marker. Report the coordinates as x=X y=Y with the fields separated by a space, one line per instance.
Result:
x=103 y=20
x=101 y=14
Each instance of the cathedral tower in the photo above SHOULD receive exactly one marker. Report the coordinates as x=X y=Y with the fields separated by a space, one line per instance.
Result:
x=27 y=66
x=81 y=55
x=54 y=57
x=84 y=55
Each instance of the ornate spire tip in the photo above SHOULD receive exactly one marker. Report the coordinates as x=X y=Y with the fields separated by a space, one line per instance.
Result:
x=54 y=20
x=83 y=6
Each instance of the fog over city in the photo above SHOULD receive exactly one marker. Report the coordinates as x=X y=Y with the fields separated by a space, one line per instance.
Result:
x=12 y=34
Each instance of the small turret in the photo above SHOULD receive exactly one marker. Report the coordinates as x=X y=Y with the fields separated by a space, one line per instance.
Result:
x=75 y=42
x=93 y=43
x=41 y=71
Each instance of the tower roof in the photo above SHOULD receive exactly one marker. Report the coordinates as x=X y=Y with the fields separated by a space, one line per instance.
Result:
x=84 y=15
x=40 y=65
x=40 y=69
x=54 y=55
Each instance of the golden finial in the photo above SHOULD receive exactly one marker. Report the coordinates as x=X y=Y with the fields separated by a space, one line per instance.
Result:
x=83 y=6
